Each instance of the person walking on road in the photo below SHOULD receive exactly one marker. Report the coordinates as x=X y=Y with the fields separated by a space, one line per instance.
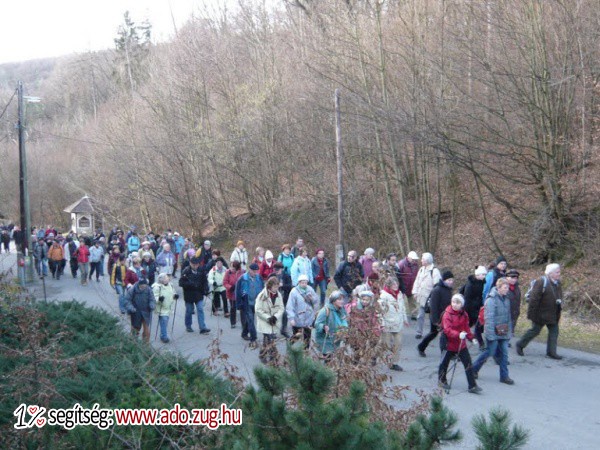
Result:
x=545 y=306
x=497 y=330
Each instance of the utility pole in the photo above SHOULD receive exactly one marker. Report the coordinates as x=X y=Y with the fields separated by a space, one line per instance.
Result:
x=24 y=192
x=339 y=248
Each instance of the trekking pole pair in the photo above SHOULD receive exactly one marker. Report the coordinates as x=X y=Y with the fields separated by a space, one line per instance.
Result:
x=456 y=358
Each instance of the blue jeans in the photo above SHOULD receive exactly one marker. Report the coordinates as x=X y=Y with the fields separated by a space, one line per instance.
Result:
x=322 y=285
x=163 y=322
x=189 y=308
x=491 y=347
x=249 y=311
x=121 y=293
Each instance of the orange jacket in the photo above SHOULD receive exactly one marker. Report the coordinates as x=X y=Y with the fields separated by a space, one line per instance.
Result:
x=56 y=253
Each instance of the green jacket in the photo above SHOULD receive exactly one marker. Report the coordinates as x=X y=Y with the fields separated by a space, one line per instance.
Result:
x=336 y=319
x=165 y=307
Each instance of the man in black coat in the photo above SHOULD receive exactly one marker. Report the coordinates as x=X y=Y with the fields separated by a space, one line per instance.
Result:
x=285 y=287
x=195 y=287
x=349 y=275
x=440 y=299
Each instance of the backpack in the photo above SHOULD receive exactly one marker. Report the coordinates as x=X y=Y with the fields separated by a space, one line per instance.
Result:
x=481 y=316
x=532 y=284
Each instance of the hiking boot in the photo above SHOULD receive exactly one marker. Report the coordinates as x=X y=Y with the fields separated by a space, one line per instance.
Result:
x=475 y=390
x=205 y=331
x=519 y=349
x=419 y=336
x=165 y=340
x=189 y=329
x=444 y=385
x=252 y=344
x=226 y=314
x=285 y=334
x=421 y=353
x=507 y=381
x=554 y=356
x=246 y=338
x=396 y=367
x=233 y=326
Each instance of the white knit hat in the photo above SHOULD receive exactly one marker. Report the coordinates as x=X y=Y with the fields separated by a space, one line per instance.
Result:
x=413 y=255
x=459 y=298
x=268 y=254
x=303 y=278
x=481 y=271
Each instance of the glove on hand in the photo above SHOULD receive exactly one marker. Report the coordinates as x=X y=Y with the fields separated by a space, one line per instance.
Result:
x=272 y=320
x=161 y=298
x=215 y=284
x=175 y=296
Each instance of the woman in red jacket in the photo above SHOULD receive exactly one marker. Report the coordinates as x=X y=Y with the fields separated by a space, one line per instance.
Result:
x=230 y=278
x=455 y=323
x=83 y=259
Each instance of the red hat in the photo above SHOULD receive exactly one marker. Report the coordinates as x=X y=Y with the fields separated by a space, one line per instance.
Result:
x=373 y=276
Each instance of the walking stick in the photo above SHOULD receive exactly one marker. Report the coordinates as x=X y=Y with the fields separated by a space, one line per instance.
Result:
x=174 y=314
x=456 y=358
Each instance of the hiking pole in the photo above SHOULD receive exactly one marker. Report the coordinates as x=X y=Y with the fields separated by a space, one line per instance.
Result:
x=174 y=315
x=456 y=358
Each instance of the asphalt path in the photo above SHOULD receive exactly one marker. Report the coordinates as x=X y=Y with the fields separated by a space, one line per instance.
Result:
x=555 y=400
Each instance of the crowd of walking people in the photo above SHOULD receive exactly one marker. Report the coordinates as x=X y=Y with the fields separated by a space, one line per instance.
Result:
x=288 y=296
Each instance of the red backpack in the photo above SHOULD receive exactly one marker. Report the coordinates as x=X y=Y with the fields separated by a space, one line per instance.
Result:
x=481 y=317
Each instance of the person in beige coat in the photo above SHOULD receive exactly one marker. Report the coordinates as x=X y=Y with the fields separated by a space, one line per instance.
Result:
x=427 y=277
x=269 y=312
x=393 y=319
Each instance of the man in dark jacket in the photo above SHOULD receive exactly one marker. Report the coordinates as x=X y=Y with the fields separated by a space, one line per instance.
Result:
x=440 y=299
x=285 y=287
x=545 y=305
x=140 y=303
x=247 y=289
x=349 y=275
x=514 y=295
x=195 y=288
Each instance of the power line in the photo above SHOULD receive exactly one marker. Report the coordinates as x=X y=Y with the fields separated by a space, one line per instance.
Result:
x=6 y=107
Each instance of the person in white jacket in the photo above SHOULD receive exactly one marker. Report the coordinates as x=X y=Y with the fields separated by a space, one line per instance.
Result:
x=269 y=312
x=165 y=296
x=393 y=319
x=427 y=277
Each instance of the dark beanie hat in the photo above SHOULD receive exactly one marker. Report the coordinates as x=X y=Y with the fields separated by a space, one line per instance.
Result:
x=253 y=266
x=446 y=275
x=143 y=281
x=500 y=259
x=195 y=260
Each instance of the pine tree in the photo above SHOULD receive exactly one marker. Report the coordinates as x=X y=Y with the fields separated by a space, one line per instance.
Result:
x=429 y=431
x=293 y=408
x=496 y=434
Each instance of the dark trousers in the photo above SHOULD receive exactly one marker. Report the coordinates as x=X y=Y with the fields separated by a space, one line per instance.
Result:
x=465 y=358
x=232 y=312
x=95 y=266
x=56 y=268
x=552 y=343
x=479 y=333
x=433 y=332
x=219 y=297
x=6 y=246
x=305 y=331
x=74 y=266
x=250 y=325
x=244 y=320
x=268 y=352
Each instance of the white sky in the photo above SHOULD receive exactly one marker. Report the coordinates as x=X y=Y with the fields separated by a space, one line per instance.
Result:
x=32 y=29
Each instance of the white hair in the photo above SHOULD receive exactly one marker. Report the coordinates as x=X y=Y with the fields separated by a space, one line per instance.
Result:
x=369 y=251
x=162 y=276
x=551 y=268
x=428 y=257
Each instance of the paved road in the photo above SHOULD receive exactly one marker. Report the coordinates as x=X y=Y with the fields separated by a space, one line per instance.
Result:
x=556 y=400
